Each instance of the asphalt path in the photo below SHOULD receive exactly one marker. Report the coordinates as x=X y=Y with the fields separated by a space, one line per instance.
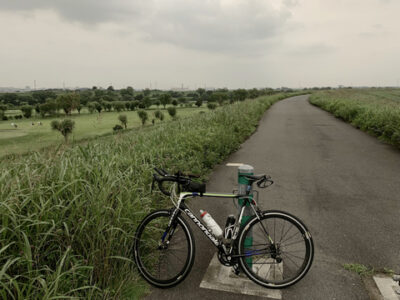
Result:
x=343 y=184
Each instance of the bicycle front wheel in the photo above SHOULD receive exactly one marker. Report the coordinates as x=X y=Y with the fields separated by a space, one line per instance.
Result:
x=276 y=251
x=164 y=258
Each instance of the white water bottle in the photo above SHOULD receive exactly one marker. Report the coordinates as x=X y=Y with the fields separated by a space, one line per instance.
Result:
x=211 y=224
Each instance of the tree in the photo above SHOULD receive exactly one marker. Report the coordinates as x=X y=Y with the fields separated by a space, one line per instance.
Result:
x=98 y=94
x=3 y=108
x=10 y=98
x=139 y=97
x=68 y=102
x=43 y=96
x=110 y=88
x=79 y=108
x=253 y=93
x=157 y=103
x=219 y=97
x=199 y=102
x=159 y=115
x=165 y=99
x=27 y=111
x=107 y=105
x=49 y=107
x=239 y=94
x=143 y=115
x=200 y=91
x=91 y=107
x=119 y=105
x=86 y=97
x=98 y=106
x=26 y=99
x=65 y=127
x=146 y=92
x=174 y=102
x=123 y=119
x=147 y=102
x=129 y=90
x=172 y=111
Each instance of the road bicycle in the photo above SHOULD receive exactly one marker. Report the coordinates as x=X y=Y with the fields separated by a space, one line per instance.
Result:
x=273 y=248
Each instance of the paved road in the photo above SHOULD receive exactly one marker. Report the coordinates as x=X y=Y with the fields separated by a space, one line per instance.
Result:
x=343 y=183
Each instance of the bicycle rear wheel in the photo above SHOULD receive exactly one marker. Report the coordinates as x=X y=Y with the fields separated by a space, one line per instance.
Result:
x=277 y=249
x=162 y=263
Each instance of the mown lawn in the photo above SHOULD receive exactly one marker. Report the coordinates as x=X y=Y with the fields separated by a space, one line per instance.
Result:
x=28 y=137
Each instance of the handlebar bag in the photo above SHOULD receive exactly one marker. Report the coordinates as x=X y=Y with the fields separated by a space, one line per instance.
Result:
x=195 y=187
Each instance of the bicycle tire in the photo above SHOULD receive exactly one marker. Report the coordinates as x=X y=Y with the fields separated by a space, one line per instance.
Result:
x=258 y=258
x=148 y=256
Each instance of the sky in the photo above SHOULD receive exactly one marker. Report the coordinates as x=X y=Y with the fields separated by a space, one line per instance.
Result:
x=199 y=43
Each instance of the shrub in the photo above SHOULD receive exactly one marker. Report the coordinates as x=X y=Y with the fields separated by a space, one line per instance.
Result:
x=27 y=111
x=123 y=119
x=157 y=114
x=117 y=128
x=211 y=105
x=172 y=111
x=143 y=116
x=65 y=127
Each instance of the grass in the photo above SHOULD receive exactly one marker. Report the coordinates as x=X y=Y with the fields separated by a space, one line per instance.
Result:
x=360 y=269
x=27 y=137
x=363 y=270
x=69 y=213
x=376 y=111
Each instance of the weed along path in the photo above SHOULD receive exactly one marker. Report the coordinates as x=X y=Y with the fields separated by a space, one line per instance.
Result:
x=344 y=185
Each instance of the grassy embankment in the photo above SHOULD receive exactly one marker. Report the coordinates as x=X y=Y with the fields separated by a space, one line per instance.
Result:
x=68 y=214
x=28 y=137
x=376 y=111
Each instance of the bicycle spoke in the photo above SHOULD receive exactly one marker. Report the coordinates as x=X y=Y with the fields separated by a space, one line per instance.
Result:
x=281 y=263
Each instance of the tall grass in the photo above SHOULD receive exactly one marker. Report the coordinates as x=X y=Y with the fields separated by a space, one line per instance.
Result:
x=68 y=215
x=376 y=111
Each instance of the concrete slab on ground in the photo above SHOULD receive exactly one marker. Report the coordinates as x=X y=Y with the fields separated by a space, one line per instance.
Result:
x=219 y=277
x=387 y=287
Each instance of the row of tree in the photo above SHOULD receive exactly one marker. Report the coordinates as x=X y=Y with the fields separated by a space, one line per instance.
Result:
x=125 y=99
x=129 y=94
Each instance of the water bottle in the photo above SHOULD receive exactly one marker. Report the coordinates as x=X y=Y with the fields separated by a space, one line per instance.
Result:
x=211 y=224
x=229 y=226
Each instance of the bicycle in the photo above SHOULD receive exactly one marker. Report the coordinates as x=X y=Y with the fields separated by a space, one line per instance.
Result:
x=273 y=248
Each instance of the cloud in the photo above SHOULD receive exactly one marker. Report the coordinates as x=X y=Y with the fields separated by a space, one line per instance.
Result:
x=211 y=25
x=311 y=50
x=88 y=11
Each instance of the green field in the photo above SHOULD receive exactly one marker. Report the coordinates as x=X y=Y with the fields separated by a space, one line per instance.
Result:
x=28 y=137
x=374 y=110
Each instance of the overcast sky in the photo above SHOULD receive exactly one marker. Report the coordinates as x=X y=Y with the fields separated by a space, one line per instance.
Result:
x=197 y=43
